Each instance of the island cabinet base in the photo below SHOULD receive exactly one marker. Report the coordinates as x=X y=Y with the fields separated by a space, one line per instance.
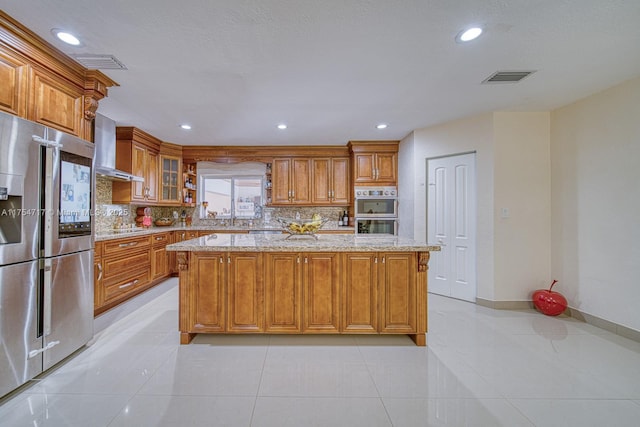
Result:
x=303 y=293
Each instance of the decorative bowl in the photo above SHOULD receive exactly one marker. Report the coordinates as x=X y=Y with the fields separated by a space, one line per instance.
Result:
x=302 y=227
x=163 y=222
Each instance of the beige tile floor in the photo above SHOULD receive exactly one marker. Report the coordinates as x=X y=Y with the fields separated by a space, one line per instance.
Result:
x=482 y=367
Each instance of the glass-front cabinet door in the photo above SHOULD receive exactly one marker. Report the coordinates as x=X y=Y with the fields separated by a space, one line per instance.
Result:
x=170 y=185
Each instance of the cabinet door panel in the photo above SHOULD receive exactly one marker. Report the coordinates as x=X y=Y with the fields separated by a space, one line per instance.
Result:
x=13 y=90
x=363 y=168
x=340 y=181
x=386 y=168
x=321 y=299
x=398 y=293
x=245 y=310
x=138 y=168
x=152 y=162
x=320 y=182
x=359 y=295
x=282 y=292
x=301 y=181
x=159 y=263
x=208 y=293
x=170 y=187
x=280 y=192
x=56 y=105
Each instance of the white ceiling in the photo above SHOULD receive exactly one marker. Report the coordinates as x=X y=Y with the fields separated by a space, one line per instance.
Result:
x=333 y=69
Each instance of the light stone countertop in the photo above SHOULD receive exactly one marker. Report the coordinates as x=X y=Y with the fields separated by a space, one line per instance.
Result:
x=304 y=243
x=139 y=231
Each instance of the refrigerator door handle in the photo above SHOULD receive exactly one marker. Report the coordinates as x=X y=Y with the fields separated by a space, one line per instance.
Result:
x=45 y=142
x=34 y=353
x=46 y=304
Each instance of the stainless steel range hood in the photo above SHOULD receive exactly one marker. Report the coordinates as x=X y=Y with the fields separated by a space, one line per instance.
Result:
x=105 y=154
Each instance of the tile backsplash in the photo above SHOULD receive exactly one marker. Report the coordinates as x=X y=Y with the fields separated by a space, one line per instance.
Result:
x=107 y=214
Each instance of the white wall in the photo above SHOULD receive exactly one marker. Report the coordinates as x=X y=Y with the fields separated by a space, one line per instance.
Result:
x=595 y=181
x=521 y=179
x=461 y=136
x=512 y=171
x=407 y=188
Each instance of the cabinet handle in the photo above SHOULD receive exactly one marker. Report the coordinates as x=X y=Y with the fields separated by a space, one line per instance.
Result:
x=159 y=238
x=221 y=260
x=126 y=245
x=228 y=260
x=298 y=260
x=126 y=285
x=306 y=261
x=375 y=260
x=99 y=265
x=182 y=236
x=383 y=259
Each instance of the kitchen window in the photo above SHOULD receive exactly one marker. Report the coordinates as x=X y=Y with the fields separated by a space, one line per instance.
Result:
x=225 y=197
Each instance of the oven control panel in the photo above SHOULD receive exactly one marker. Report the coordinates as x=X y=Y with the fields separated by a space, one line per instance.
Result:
x=367 y=192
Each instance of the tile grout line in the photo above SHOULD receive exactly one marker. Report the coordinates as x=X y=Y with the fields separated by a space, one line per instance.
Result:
x=264 y=362
x=366 y=365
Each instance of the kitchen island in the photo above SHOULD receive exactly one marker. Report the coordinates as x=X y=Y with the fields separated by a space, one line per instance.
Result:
x=337 y=284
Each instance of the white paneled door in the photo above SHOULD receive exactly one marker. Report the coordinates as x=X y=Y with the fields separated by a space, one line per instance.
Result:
x=451 y=223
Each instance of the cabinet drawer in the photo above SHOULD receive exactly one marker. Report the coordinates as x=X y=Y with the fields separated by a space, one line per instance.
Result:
x=115 y=267
x=161 y=239
x=126 y=284
x=125 y=246
x=185 y=235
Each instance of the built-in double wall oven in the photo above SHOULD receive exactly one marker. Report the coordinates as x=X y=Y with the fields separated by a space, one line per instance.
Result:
x=376 y=210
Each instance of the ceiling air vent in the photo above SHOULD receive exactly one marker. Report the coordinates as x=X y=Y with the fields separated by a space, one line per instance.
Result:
x=99 y=62
x=507 y=77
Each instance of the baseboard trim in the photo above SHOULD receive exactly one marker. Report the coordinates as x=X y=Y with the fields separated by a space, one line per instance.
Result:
x=505 y=305
x=607 y=325
x=599 y=322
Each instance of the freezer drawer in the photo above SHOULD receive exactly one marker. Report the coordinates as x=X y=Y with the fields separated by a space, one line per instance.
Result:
x=68 y=305
x=19 y=294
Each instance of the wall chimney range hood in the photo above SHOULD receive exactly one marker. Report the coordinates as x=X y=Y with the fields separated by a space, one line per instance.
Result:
x=105 y=155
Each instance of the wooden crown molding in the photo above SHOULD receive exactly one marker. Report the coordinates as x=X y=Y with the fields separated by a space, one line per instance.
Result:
x=231 y=154
x=376 y=146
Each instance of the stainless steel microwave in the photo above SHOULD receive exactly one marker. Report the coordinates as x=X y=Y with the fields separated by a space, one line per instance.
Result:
x=376 y=202
x=376 y=208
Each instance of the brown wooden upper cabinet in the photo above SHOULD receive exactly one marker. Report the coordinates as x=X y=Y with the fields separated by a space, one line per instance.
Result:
x=375 y=163
x=136 y=153
x=41 y=96
x=170 y=175
x=44 y=85
x=291 y=181
x=330 y=182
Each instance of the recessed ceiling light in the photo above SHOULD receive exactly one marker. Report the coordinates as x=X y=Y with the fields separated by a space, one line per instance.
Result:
x=381 y=126
x=66 y=37
x=468 y=34
x=185 y=127
x=282 y=126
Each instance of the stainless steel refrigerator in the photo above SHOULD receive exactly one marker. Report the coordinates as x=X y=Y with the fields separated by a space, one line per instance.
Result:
x=46 y=248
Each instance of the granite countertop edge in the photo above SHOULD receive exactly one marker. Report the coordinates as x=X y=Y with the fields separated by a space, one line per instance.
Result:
x=278 y=243
x=135 y=232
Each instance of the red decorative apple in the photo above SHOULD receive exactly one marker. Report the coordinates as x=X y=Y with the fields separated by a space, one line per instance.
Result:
x=549 y=302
